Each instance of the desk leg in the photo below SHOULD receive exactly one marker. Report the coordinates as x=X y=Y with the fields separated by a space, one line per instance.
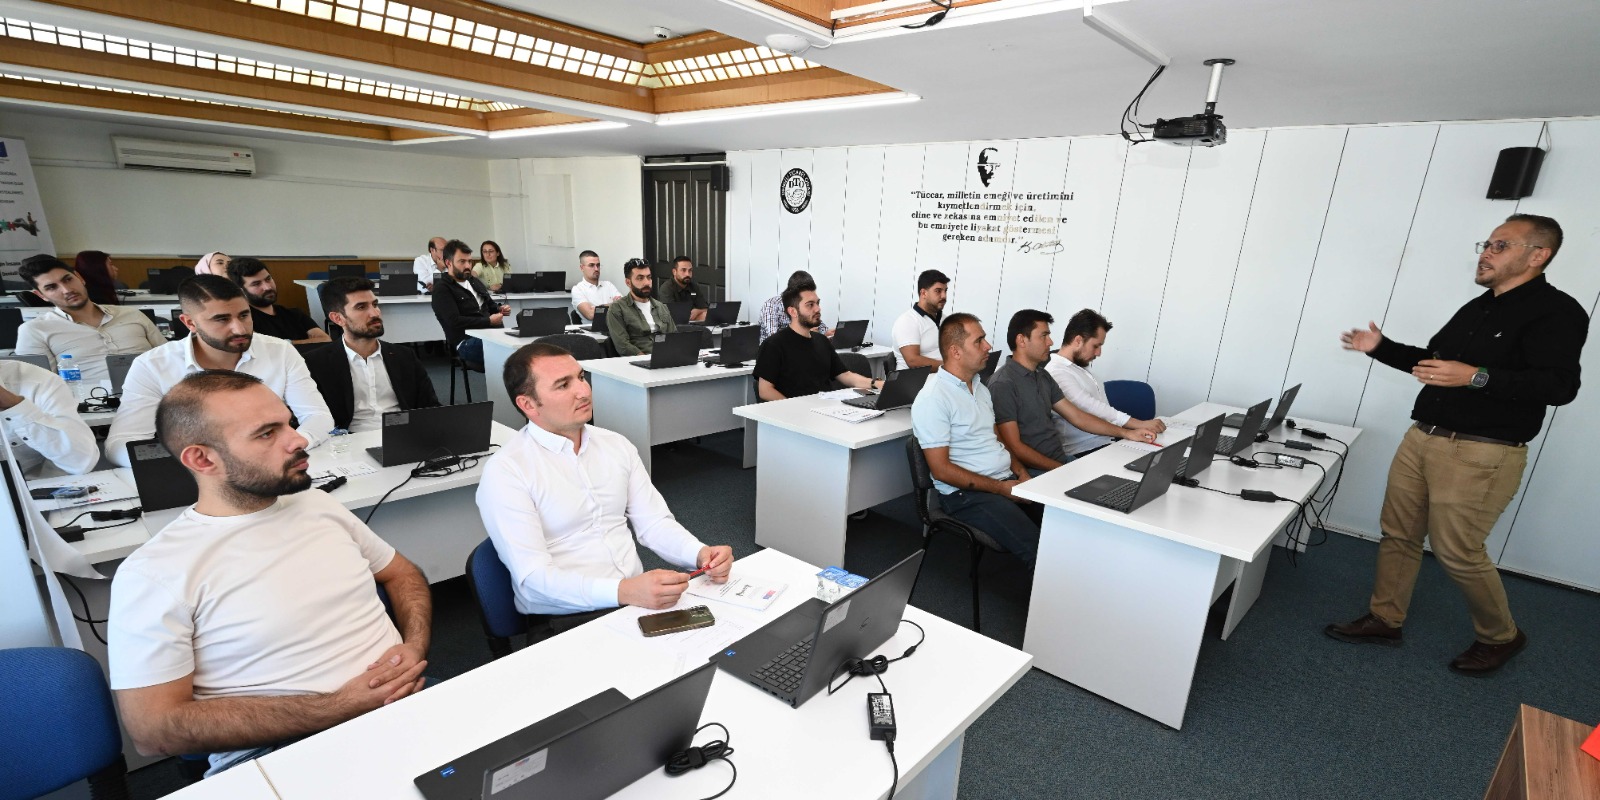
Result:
x=624 y=408
x=939 y=779
x=495 y=356
x=1246 y=588
x=802 y=496
x=751 y=438
x=1119 y=613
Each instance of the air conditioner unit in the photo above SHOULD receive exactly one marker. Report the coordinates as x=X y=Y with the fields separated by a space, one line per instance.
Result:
x=183 y=156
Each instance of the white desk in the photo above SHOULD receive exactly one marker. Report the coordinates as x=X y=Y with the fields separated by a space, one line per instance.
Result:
x=820 y=749
x=410 y=318
x=498 y=345
x=1120 y=600
x=656 y=406
x=244 y=782
x=814 y=471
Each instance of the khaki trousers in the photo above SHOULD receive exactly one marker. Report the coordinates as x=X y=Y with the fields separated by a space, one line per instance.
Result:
x=1450 y=492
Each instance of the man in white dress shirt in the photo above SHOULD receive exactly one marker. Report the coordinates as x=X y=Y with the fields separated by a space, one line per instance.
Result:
x=430 y=264
x=591 y=291
x=215 y=310
x=1082 y=339
x=916 y=332
x=559 y=498
x=40 y=418
x=364 y=377
x=88 y=331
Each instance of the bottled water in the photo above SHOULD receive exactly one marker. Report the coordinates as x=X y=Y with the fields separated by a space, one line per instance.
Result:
x=69 y=372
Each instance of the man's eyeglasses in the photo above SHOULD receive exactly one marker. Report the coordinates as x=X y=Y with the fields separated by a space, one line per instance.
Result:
x=1499 y=246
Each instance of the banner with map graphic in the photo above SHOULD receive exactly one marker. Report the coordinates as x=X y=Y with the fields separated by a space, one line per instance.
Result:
x=23 y=231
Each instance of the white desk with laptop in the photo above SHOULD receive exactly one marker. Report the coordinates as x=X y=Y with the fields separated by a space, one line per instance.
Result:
x=1130 y=565
x=520 y=727
x=820 y=460
x=408 y=316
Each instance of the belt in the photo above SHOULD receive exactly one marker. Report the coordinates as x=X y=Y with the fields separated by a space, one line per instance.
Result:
x=1435 y=430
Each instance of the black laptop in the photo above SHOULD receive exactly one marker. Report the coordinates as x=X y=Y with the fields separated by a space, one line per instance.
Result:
x=849 y=333
x=899 y=389
x=1121 y=494
x=160 y=478
x=1204 y=442
x=739 y=344
x=676 y=349
x=555 y=281
x=588 y=751
x=397 y=285
x=723 y=313
x=680 y=312
x=117 y=365
x=346 y=271
x=1278 y=414
x=427 y=433
x=518 y=282
x=539 y=322
x=796 y=655
x=10 y=322
x=1234 y=445
x=36 y=359
x=598 y=324
x=396 y=268
x=179 y=330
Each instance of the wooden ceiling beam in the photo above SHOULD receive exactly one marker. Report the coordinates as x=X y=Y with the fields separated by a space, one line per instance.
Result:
x=785 y=87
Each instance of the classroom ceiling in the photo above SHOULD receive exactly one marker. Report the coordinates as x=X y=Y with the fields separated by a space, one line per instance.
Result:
x=1000 y=69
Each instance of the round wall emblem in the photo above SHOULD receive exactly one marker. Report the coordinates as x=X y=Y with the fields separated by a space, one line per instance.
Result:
x=795 y=190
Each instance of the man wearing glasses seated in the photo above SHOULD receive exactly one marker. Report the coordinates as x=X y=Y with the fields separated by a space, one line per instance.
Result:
x=1486 y=378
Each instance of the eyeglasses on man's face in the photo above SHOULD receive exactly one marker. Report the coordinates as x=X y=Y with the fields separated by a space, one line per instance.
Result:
x=1499 y=246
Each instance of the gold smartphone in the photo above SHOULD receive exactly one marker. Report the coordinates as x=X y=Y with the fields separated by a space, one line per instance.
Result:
x=684 y=619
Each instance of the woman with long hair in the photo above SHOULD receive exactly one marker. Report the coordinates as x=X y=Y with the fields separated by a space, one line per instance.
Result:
x=492 y=266
x=99 y=276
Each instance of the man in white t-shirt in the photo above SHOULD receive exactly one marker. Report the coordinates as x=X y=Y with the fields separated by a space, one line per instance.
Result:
x=1082 y=339
x=916 y=332
x=253 y=619
x=591 y=291
x=429 y=264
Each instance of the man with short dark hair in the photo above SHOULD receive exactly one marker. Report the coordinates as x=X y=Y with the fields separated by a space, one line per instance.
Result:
x=591 y=292
x=916 y=332
x=429 y=264
x=634 y=322
x=559 y=499
x=774 y=317
x=681 y=288
x=252 y=620
x=268 y=317
x=1486 y=378
x=1082 y=339
x=953 y=420
x=794 y=362
x=1025 y=394
x=463 y=303
x=215 y=311
x=86 y=330
x=365 y=377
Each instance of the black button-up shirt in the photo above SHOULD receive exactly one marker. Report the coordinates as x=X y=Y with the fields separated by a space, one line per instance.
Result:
x=1529 y=339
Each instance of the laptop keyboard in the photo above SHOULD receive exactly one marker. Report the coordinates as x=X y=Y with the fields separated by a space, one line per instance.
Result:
x=786 y=670
x=1225 y=445
x=1120 y=497
x=869 y=403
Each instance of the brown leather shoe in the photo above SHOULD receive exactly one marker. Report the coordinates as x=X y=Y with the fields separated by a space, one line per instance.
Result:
x=1482 y=659
x=1367 y=630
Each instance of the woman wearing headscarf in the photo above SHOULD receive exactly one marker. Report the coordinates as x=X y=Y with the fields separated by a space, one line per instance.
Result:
x=212 y=264
x=99 y=276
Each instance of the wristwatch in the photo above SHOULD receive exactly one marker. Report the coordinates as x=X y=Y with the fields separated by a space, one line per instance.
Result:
x=1480 y=378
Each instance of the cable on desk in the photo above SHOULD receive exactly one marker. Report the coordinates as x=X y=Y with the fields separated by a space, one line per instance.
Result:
x=432 y=467
x=876 y=665
x=696 y=757
x=87 y=618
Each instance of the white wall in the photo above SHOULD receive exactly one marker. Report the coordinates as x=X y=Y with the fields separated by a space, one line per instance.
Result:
x=306 y=199
x=605 y=204
x=1227 y=273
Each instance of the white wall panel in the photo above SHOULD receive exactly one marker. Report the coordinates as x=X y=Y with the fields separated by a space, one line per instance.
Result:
x=765 y=173
x=830 y=184
x=794 y=230
x=1094 y=179
x=945 y=171
x=1205 y=253
x=737 y=219
x=1041 y=166
x=979 y=265
x=1141 y=251
x=898 y=259
x=1280 y=247
x=862 y=236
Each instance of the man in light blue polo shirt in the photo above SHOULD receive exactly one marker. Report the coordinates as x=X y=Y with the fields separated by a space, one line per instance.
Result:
x=953 y=420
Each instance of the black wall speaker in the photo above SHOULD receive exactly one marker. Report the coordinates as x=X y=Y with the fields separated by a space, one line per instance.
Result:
x=719 y=177
x=1515 y=173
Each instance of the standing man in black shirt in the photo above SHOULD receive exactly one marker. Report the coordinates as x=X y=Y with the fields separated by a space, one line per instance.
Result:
x=1486 y=378
x=793 y=362
x=255 y=279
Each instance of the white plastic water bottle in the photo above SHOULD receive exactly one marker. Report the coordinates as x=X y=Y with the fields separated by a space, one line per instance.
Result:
x=69 y=372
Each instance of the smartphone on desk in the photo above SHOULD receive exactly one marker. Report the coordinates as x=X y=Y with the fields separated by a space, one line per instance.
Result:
x=684 y=619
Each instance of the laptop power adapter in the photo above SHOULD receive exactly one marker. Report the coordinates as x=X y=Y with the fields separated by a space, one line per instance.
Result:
x=880 y=716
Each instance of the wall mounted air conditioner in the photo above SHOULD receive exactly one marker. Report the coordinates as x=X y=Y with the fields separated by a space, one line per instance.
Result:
x=183 y=156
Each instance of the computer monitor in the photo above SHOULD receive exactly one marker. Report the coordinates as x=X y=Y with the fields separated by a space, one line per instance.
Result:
x=346 y=271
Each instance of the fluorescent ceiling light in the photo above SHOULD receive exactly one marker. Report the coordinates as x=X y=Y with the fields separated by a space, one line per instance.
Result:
x=515 y=133
x=777 y=109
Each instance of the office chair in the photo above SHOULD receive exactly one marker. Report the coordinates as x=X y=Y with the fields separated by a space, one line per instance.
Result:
x=59 y=727
x=582 y=347
x=987 y=373
x=707 y=341
x=490 y=583
x=935 y=520
x=855 y=362
x=1135 y=398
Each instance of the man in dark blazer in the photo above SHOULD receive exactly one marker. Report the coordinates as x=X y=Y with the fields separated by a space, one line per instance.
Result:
x=362 y=377
x=462 y=303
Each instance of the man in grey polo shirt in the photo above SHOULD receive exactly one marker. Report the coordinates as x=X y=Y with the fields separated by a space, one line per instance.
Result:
x=953 y=420
x=1025 y=394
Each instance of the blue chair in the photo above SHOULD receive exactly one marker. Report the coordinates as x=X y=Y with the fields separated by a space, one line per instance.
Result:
x=490 y=583
x=59 y=727
x=1134 y=398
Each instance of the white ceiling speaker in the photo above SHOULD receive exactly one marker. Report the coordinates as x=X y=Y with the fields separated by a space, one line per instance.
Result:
x=791 y=43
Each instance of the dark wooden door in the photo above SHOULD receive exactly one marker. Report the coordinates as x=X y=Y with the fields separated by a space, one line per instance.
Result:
x=685 y=213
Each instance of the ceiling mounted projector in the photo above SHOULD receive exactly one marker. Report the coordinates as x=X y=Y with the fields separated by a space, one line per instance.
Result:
x=1201 y=130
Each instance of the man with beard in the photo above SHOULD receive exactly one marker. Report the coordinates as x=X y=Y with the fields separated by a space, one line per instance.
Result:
x=365 y=377
x=251 y=620
x=268 y=317
x=681 y=288
x=1081 y=342
x=634 y=321
x=214 y=309
x=461 y=303
x=916 y=332
x=88 y=331
x=795 y=363
x=560 y=498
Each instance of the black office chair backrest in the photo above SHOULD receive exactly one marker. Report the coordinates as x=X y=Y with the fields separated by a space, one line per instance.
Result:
x=987 y=374
x=582 y=347
x=10 y=321
x=921 y=478
x=706 y=339
x=857 y=363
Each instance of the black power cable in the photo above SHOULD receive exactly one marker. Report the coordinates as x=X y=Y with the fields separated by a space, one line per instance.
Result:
x=696 y=757
x=937 y=18
x=1133 y=109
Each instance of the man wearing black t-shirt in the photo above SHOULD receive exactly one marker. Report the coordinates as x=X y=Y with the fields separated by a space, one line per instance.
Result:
x=793 y=362
x=270 y=318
